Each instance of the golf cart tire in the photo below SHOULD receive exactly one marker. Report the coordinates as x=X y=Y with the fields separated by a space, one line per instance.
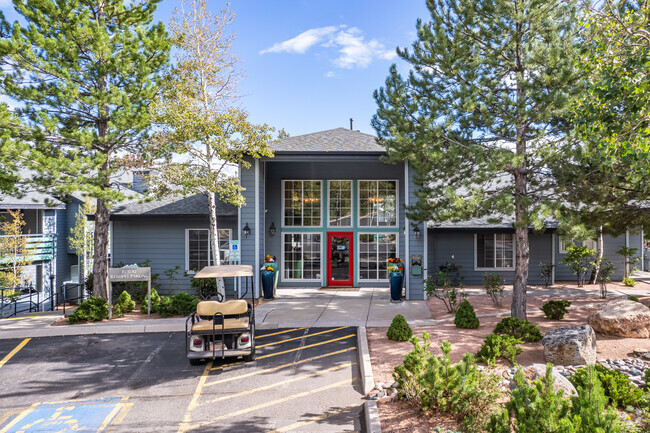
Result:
x=195 y=361
x=251 y=357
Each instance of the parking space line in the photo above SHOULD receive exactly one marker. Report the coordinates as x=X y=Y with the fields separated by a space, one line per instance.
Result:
x=275 y=385
x=13 y=352
x=278 y=333
x=268 y=370
x=110 y=416
x=302 y=336
x=287 y=351
x=19 y=418
x=184 y=426
x=321 y=417
x=249 y=409
x=126 y=407
x=5 y=416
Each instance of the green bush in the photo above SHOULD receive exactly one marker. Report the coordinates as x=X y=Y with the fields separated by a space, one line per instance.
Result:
x=618 y=388
x=629 y=282
x=555 y=310
x=399 y=330
x=123 y=305
x=183 y=303
x=164 y=307
x=494 y=285
x=461 y=389
x=578 y=259
x=440 y=286
x=93 y=309
x=499 y=346
x=155 y=300
x=465 y=316
x=522 y=329
x=633 y=298
x=537 y=408
x=10 y=295
x=205 y=287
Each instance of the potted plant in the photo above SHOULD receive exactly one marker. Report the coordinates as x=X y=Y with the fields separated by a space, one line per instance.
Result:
x=396 y=278
x=269 y=270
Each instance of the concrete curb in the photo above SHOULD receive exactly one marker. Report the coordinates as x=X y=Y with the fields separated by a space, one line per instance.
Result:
x=373 y=425
x=367 y=381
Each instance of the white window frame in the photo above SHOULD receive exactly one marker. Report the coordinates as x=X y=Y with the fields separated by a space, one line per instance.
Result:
x=320 y=225
x=187 y=247
x=514 y=254
x=357 y=254
x=323 y=239
x=397 y=204
x=564 y=243
x=329 y=202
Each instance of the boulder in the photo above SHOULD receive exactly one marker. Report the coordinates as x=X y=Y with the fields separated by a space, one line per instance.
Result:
x=575 y=345
x=538 y=371
x=622 y=318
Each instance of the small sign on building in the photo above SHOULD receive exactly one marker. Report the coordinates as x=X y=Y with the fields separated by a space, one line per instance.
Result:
x=235 y=252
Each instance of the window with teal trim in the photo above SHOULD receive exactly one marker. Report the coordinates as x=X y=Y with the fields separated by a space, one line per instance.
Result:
x=340 y=203
x=302 y=203
x=377 y=203
x=374 y=251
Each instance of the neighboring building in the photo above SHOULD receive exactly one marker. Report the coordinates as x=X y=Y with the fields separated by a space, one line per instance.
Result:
x=332 y=212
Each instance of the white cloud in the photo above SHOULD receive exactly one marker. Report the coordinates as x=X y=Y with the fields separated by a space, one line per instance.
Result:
x=330 y=74
x=353 y=50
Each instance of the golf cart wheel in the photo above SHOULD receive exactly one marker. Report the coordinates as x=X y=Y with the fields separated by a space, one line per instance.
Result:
x=195 y=361
x=251 y=357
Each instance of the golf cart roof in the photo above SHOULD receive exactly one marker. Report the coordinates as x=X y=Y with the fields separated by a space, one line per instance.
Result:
x=225 y=271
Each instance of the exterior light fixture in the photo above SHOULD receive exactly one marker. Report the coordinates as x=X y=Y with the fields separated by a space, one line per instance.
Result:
x=416 y=232
x=272 y=228
x=247 y=230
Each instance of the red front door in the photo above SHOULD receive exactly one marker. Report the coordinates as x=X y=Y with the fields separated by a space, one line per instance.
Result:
x=340 y=259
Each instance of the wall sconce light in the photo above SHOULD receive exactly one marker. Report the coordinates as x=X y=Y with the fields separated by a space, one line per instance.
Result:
x=416 y=232
x=272 y=228
x=247 y=230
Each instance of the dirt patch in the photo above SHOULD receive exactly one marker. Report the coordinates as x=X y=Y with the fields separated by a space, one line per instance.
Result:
x=401 y=417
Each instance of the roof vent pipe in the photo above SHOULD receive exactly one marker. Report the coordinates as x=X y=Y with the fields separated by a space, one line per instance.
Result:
x=351 y=120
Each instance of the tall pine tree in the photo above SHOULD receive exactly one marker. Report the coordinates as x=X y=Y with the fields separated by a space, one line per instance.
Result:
x=482 y=107
x=86 y=72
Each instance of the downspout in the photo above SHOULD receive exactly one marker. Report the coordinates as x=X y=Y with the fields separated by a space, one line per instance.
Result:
x=425 y=262
x=627 y=245
x=553 y=236
x=257 y=227
x=407 y=232
x=642 y=252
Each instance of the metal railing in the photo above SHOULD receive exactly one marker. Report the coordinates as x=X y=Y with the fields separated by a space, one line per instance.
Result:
x=33 y=301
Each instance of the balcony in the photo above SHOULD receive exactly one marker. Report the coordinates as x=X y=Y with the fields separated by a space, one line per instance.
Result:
x=42 y=248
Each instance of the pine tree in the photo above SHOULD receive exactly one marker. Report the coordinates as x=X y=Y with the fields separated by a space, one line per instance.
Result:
x=86 y=73
x=10 y=149
x=482 y=106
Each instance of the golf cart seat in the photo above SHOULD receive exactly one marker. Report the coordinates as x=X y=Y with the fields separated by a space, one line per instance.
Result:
x=234 y=314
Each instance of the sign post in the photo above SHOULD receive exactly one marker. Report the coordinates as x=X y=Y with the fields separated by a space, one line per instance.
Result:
x=126 y=274
x=234 y=256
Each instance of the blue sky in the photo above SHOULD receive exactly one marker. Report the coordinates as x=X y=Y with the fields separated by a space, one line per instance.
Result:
x=311 y=65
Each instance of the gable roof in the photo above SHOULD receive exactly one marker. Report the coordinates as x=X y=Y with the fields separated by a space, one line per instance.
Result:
x=196 y=205
x=339 y=140
x=30 y=200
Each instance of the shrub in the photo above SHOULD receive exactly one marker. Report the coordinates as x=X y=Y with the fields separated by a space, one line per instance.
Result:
x=499 y=346
x=522 y=329
x=399 y=330
x=155 y=300
x=124 y=304
x=94 y=309
x=461 y=389
x=555 y=310
x=494 y=285
x=440 y=286
x=604 y=276
x=630 y=259
x=183 y=303
x=164 y=307
x=633 y=298
x=618 y=388
x=629 y=282
x=10 y=294
x=205 y=287
x=546 y=272
x=465 y=316
x=578 y=259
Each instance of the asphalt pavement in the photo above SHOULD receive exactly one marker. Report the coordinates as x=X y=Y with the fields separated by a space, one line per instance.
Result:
x=304 y=379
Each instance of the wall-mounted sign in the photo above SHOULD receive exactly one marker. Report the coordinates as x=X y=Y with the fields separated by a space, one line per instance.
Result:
x=235 y=252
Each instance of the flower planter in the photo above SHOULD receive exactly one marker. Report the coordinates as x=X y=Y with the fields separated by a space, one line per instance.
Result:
x=267 y=284
x=396 y=280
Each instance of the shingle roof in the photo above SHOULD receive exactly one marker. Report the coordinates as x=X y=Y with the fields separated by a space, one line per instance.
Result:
x=482 y=223
x=30 y=200
x=339 y=140
x=175 y=205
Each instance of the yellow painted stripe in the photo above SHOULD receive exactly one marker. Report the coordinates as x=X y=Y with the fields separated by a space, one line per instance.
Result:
x=184 y=426
x=275 y=385
x=250 y=409
x=268 y=370
x=13 y=352
x=318 y=418
x=31 y=317
x=5 y=416
x=303 y=336
x=287 y=351
x=109 y=417
x=278 y=333
x=19 y=418
x=126 y=407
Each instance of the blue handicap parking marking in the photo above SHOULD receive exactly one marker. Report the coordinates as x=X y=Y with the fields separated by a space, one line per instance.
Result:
x=68 y=416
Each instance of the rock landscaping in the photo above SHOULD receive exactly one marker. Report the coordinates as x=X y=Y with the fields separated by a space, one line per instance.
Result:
x=575 y=345
x=623 y=318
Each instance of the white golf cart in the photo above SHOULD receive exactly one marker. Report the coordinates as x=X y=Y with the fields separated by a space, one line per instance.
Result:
x=220 y=329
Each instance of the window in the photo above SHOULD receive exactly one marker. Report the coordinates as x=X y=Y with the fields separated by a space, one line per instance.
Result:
x=302 y=256
x=566 y=243
x=340 y=203
x=302 y=203
x=377 y=203
x=374 y=252
x=199 y=252
x=495 y=251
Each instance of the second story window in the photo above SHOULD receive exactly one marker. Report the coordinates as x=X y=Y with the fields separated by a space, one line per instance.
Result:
x=302 y=203
x=377 y=203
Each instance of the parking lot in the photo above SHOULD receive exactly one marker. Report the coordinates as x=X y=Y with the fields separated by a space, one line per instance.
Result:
x=304 y=379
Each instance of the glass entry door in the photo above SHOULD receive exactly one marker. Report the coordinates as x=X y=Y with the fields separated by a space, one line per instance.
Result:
x=340 y=259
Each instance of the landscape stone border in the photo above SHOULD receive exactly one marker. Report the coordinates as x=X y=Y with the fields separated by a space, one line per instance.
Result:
x=373 y=425
x=367 y=380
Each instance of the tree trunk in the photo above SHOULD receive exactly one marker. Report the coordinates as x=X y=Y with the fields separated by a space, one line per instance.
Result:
x=100 y=263
x=522 y=259
x=214 y=237
x=599 y=257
